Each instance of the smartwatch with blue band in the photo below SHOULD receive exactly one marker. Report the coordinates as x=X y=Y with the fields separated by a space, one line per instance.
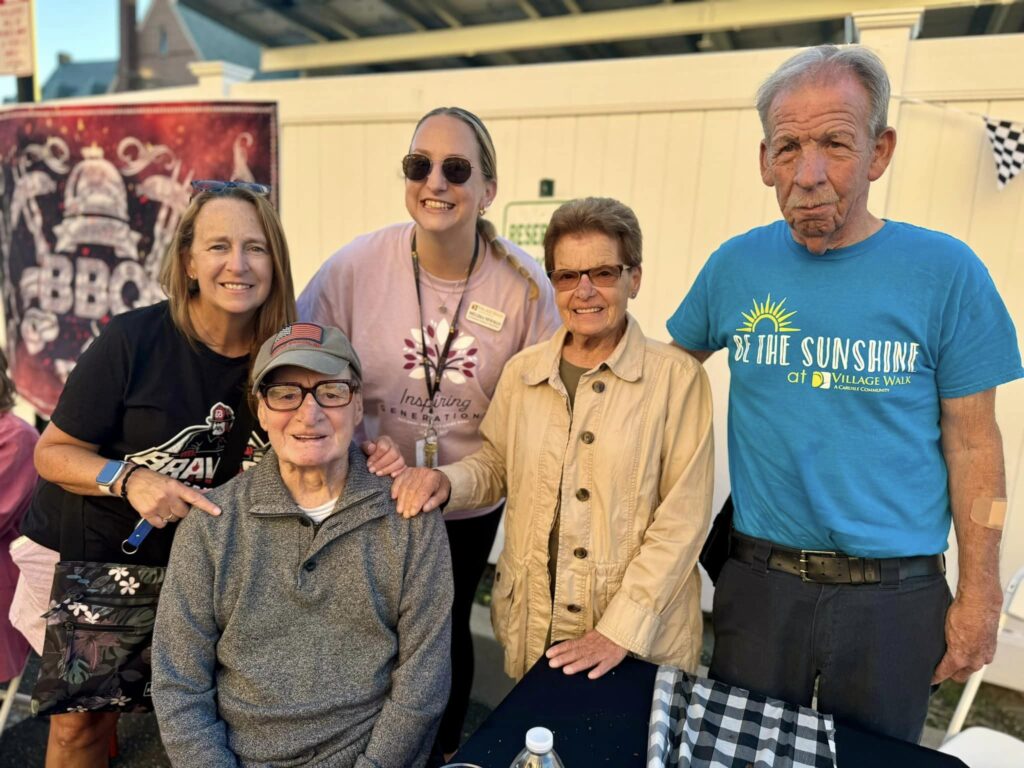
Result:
x=111 y=471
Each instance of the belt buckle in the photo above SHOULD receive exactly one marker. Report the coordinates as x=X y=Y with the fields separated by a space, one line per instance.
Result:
x=803 y=561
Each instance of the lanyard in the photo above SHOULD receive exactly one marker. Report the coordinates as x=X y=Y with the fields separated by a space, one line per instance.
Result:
x=434 y=384
x=131 y=545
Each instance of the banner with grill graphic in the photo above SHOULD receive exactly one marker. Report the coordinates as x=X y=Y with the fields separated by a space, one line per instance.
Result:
x=91 y=198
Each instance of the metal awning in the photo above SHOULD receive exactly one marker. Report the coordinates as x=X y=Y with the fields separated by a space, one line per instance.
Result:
x=350 y=36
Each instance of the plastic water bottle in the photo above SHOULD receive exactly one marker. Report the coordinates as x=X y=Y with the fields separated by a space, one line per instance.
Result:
x=539 y=752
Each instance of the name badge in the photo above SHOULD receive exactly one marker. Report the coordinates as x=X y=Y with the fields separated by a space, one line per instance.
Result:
x=486 y=316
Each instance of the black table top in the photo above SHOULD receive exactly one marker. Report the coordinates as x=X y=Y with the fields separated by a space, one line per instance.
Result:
x=604 y=722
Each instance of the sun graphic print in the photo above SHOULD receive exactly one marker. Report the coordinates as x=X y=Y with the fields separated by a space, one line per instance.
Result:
x=773 y=312
x=461 y=362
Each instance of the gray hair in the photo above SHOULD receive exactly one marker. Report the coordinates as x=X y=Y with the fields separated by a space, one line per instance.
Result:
x=595 y=214
x=825 y=60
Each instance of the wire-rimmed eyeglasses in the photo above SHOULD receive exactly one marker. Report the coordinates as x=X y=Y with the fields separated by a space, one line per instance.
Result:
x=604 y=276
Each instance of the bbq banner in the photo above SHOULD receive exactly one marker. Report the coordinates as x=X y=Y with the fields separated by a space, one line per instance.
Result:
x=91 y=197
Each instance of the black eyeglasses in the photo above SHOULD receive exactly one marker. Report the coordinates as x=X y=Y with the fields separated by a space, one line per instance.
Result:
x=456 y=169
x=604 y=276
x=288 y=396
x=217 y=187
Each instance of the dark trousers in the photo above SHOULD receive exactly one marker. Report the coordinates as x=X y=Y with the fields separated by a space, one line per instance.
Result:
x=872 y=648
x=470 y=541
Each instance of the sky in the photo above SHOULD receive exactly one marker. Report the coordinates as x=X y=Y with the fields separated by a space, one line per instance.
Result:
x=87 y=29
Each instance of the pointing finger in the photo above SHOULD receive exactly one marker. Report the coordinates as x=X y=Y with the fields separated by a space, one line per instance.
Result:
x=197 y=500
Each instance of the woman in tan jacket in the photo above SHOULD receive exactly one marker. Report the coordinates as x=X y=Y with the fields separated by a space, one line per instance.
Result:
x=601 y=440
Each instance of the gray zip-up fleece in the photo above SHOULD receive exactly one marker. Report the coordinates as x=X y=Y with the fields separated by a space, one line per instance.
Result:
x=281 y=644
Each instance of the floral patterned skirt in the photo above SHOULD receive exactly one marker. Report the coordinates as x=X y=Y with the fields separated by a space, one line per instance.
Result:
x=99 y=633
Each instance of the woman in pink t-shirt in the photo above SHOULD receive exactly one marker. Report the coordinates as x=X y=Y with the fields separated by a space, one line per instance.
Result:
x=435 y=307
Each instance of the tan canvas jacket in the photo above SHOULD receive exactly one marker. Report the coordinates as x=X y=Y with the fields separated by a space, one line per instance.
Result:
x=633 y=468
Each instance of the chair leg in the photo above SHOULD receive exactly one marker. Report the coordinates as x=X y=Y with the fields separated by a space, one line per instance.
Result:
x=8 y=702
x=962 y=707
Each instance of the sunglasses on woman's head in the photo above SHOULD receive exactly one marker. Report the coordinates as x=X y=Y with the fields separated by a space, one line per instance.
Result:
x=456 y=169
x=217 y=187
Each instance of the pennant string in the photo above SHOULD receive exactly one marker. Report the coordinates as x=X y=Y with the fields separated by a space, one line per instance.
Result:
x=1006 y=137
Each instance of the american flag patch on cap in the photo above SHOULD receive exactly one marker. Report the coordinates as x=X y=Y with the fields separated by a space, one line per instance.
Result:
x=298 y=334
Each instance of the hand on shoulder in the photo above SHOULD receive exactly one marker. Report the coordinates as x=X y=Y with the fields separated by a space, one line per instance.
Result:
x=420 y=490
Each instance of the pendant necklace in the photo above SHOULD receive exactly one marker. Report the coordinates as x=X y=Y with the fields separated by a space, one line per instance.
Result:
x=442 y=300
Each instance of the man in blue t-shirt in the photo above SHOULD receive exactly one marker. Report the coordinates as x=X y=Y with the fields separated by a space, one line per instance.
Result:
x=864 y=356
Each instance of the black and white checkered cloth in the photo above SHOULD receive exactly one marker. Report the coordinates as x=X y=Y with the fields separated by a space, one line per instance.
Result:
x=1007 y=146
x=700 y=722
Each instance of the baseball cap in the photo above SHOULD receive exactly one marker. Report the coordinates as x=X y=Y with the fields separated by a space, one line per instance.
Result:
x=324 y=349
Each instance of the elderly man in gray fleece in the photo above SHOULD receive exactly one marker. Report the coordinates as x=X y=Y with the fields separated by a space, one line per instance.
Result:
x=308 y=624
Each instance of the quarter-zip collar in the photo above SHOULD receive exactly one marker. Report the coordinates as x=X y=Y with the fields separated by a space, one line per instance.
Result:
x=353 y=508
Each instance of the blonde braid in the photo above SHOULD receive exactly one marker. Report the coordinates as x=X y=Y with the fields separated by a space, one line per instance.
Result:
x=489 y=233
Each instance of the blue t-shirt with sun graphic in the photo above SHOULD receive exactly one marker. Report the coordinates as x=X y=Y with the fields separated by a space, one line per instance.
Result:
x=837 y=366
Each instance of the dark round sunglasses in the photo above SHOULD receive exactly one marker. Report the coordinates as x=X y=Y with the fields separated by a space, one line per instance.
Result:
x=456 y=169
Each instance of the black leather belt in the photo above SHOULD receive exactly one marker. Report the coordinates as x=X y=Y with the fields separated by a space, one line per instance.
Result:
x=825 y=567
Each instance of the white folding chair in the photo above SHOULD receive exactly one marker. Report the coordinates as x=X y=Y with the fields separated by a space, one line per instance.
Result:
x=983 y=747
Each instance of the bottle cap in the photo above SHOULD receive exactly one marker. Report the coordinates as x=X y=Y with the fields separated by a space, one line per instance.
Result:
x=540 y=740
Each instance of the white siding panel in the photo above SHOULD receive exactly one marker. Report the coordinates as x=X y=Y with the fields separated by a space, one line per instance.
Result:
x=384 y=185
x=914 y=166
x=618 y=158
x=675 y=261
x=301 y=206
x=530 y=163
x=559 y=157
x=956 y=169
x=588 y=154
x=505 y=135
x=661 y=246
x=751 y=203
x=342 y=184
x=715 y=166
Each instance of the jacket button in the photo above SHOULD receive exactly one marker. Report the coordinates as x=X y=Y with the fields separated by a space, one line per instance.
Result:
x=573 y=608
x=497 y=576
x=580 y=552
x=587 y=437
x=598 y=386
x=582 y=494
x=305 y=522
x=310 y=565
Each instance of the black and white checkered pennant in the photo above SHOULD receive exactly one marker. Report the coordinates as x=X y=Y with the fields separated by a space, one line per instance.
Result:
x=1008 y=147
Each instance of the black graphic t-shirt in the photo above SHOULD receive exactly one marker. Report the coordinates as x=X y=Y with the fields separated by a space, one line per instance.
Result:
x=142 y=393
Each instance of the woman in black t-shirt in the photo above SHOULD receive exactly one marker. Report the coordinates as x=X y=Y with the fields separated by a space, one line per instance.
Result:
x=143 y=420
